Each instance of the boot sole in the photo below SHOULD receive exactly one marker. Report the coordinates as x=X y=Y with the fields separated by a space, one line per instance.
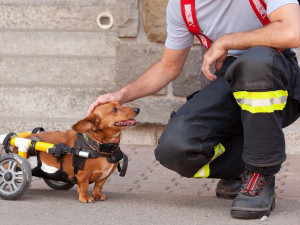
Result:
x=228 y=196
x=250 y=213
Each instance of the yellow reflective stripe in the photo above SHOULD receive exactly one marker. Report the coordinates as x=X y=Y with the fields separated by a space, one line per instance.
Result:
x=219 y=150
x=261 y=102
x=260 y=95
x=205 y=170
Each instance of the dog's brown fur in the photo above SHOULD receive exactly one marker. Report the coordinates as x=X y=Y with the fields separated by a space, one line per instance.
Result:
x=100 y=126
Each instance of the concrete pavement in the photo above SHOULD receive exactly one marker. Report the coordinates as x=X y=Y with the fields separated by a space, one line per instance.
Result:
x=149 y=194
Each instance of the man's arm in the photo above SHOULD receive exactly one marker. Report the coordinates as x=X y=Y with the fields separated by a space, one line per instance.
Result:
x=151 y=81
x=282 y=33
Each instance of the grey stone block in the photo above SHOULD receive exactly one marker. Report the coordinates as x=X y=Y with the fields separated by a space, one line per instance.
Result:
x=143 y=134
x=191 y=78
x=154 y=19
x=156 y=110
x=58 y=43
x=126 y=15
x=139 y=135
x=133 y=59
x=54 y=2
x=71 y=17
x=48 y=71
x=19 y=126
x=45 y=102
x=41 y=17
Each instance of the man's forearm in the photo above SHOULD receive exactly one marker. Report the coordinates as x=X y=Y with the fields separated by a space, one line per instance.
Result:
x=156 y=77
x=265 y=36
x=151 y=81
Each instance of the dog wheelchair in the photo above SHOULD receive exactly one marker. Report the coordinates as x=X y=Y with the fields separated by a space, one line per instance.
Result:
x=15 y=170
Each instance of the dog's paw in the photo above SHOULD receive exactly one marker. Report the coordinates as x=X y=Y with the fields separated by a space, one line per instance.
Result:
x=86 y=199
x=99 y=197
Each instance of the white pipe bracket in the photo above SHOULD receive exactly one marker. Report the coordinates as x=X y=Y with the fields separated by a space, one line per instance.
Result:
x=105 y=20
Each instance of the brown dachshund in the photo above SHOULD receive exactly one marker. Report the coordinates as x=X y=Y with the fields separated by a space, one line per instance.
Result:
x=104 y=125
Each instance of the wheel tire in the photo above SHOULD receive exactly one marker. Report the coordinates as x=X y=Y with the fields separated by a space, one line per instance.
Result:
x=59 y=185
x=15 y=176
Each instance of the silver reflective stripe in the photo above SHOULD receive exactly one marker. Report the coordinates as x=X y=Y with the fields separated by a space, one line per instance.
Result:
x=220 y=150
x=262 y=102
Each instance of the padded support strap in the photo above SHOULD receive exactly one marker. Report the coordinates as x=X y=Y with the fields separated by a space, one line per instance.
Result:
x=59 y=150
x=6 y=142
x=31 y=149
x=124 y=166
x=78 y=163
x=37 y=130
x=39 y=162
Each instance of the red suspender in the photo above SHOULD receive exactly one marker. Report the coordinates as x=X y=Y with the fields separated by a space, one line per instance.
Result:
x=188 y=11
x=260 y=9
x=189 y=16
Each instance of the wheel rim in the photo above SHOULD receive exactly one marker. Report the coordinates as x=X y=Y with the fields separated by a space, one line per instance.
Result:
x=11 y=176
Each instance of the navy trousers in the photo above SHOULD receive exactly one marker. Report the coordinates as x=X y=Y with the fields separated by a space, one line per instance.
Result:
x=236 y=121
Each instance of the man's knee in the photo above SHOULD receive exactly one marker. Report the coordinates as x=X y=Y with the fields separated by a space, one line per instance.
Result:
x=252 y=70
x=180 y=150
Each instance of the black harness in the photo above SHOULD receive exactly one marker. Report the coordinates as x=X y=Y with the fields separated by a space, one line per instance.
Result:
x=85 y=147
x=95 y=149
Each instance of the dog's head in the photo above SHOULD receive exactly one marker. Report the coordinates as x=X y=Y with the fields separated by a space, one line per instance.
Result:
x=108 y=117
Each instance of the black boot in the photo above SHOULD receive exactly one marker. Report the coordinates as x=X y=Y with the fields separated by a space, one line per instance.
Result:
x=256 y=198
x=228 y=189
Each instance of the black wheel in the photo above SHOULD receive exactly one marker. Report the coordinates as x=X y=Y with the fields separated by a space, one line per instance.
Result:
x=15 y=176
x=59 y=185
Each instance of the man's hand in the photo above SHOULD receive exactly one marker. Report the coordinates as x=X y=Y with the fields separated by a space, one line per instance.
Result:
x=102 y=99
x=217 y=53
x=285 y=23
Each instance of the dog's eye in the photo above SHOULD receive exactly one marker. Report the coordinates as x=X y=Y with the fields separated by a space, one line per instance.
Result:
x=115 y=110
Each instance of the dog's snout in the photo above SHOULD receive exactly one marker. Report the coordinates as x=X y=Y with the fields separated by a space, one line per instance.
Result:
x=136 y=110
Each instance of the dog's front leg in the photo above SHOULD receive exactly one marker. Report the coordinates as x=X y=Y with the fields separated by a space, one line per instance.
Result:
x=97 y=195
x=82 y=187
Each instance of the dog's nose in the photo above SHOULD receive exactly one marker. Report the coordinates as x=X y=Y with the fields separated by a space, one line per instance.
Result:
x=136 y=110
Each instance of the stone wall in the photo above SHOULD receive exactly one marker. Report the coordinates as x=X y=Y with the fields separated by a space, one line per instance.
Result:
x=55 y=60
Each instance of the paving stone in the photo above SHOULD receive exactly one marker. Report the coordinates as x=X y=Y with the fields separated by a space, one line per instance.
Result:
x=292 y=138
x=167 y=181
x=58 y=43
x=48 y=71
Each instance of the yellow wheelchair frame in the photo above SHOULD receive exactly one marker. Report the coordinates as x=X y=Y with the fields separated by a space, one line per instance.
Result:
x=15 y=171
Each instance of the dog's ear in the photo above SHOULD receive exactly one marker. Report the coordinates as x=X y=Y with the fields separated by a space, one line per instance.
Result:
x=89 y=123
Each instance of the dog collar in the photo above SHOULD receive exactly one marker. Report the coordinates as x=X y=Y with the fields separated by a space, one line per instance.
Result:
x=103 y=148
